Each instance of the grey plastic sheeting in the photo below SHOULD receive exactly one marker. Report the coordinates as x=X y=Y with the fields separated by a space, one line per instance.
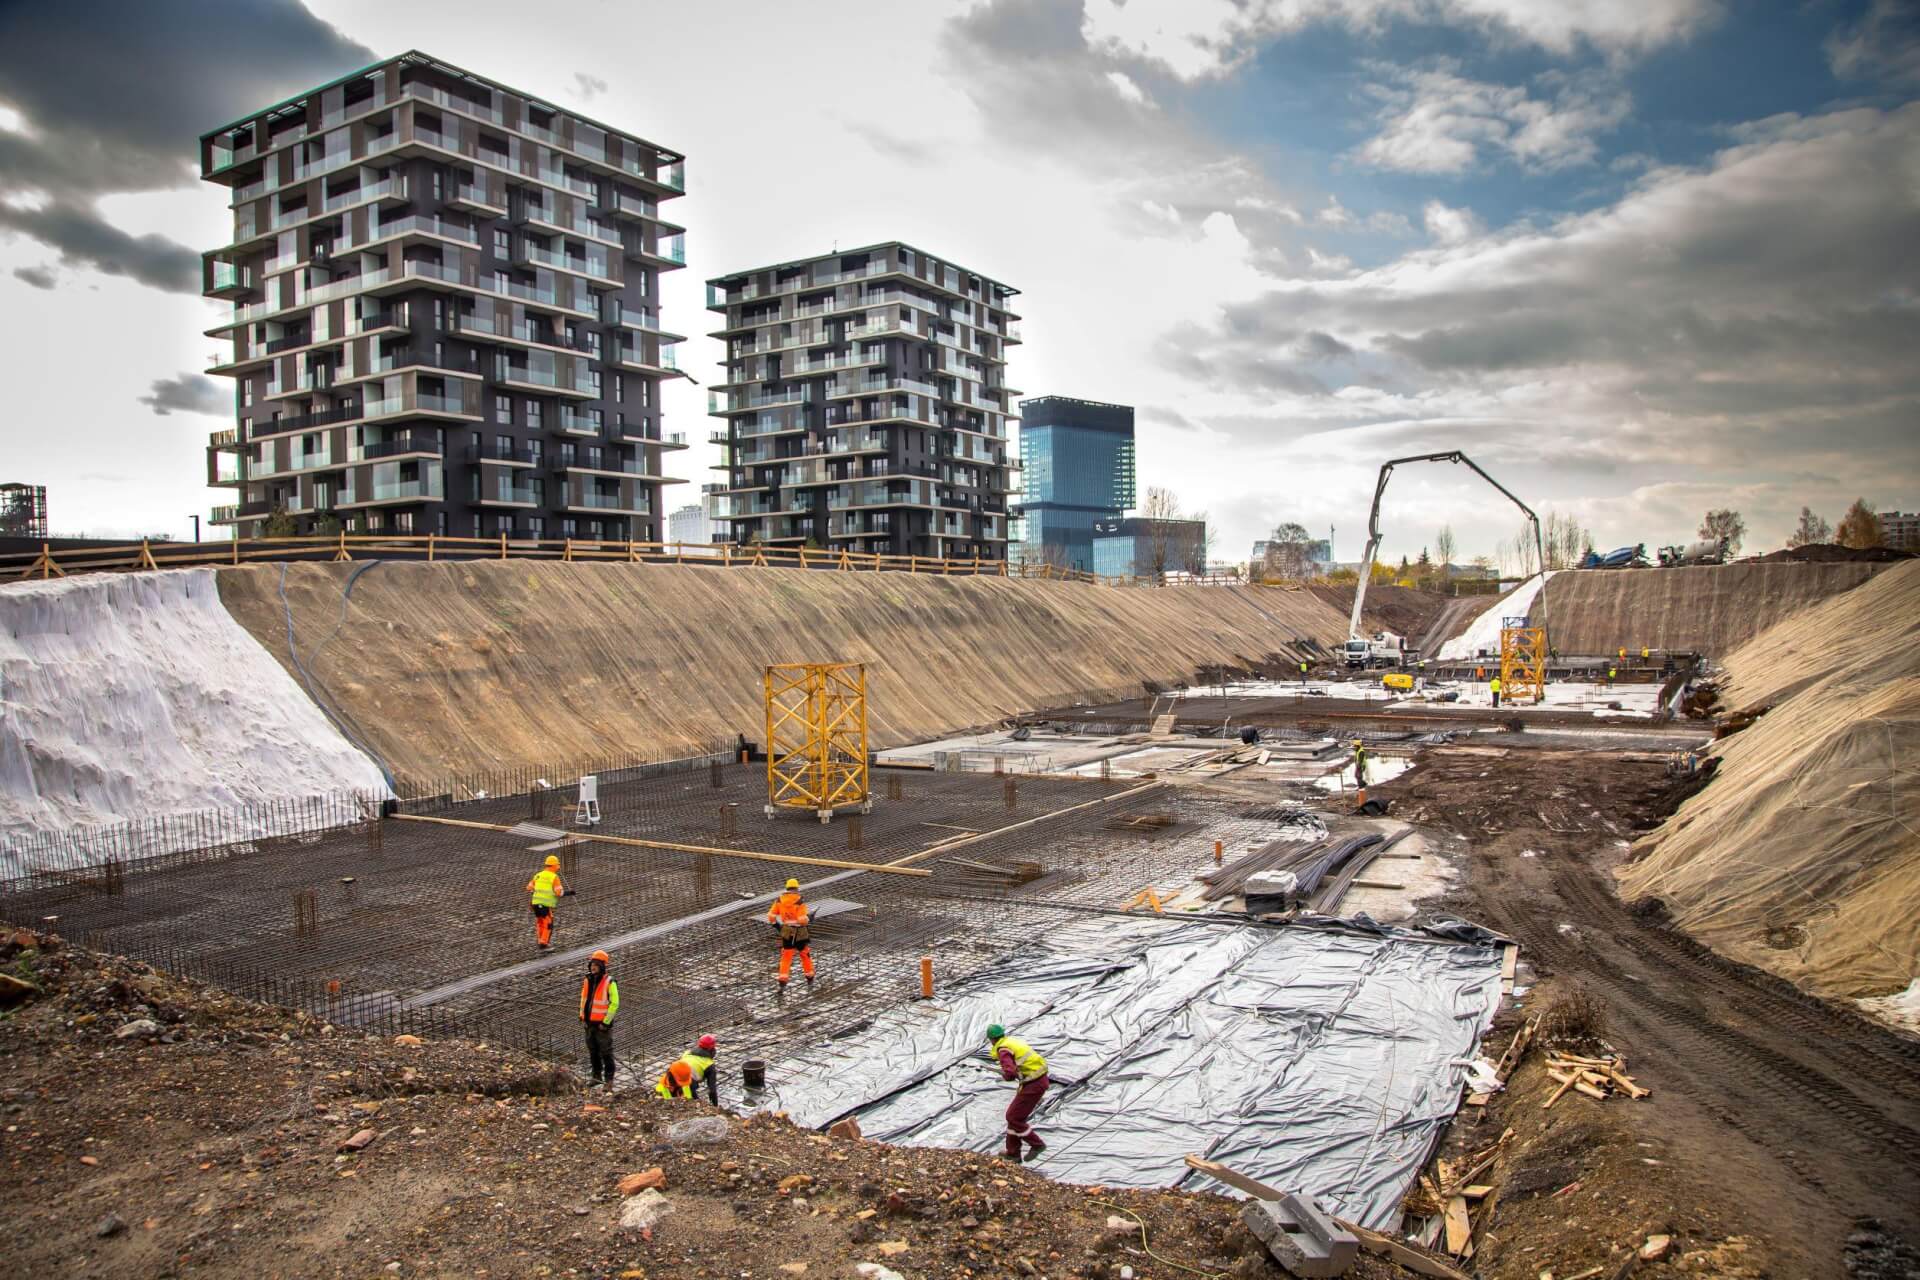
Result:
x=1316 y=1061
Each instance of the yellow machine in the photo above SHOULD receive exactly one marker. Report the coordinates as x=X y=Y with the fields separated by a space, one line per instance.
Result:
x=1523 y=663
x=817 y=738
x=1400 y=680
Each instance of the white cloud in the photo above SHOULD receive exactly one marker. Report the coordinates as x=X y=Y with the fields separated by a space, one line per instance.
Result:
x=1883 y=44
x=1433 y=120
x=1193 y=39
x=1127 y=89
x=1448 y=225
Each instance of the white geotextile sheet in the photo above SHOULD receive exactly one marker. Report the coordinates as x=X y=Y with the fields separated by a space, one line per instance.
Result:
x=130 y=696
x=1483 y=633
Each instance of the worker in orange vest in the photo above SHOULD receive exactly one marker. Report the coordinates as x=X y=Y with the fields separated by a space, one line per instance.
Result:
x=788 y=916
x=546 y=890
x=599 y=1001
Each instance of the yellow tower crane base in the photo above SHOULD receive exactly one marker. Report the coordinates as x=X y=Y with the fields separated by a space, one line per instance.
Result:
x=1523 y=663
x=817 y=738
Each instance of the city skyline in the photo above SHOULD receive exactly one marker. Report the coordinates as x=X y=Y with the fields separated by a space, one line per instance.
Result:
x=1300 y=238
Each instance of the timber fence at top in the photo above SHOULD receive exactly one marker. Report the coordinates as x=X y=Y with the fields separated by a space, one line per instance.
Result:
x=150 y=555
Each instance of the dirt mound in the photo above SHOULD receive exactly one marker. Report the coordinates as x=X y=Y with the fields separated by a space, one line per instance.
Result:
x=1803 y=855
x=1404 y=611
x=226 y=1138
x=468 y=667
x=1832 y=553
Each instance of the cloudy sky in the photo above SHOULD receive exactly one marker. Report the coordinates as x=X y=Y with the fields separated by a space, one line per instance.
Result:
x=1637 y=257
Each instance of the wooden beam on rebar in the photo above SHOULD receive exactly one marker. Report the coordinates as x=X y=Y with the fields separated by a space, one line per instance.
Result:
x=948 y=846
x=635 y=842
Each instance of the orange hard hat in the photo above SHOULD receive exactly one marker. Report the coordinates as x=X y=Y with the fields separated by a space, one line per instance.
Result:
x=681 y=1071
x=602 y=957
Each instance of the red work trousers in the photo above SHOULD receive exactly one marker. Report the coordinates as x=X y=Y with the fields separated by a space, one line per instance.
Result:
x=1020 y=1110
x=543 y=925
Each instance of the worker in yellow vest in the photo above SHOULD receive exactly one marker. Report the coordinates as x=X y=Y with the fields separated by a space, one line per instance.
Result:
x=1019 y=1061
x=682 y=1079
x=1495 y=686
x=599 y=1001
x=546 y=890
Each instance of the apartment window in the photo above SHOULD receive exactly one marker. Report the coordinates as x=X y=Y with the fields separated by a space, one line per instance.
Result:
x=502 y=406
x=614 y=311
x=246 y=392
x=619 y=388
x=534 y=410
x=646 y=282
x=439 y=187
x=502 y=242
x=646 y=393
x=569 y=527
x=403 y=521
x=440 y=355
x=503 y=446
x=439 y=313
x=440 y=522
x=533 y=449
x=537 y=526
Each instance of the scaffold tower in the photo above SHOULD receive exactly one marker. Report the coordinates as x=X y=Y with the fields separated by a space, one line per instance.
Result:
x=817 y=738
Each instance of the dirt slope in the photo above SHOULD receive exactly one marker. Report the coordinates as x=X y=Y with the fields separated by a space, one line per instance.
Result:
x=1803 y=854
x=463 y=667
x=1401 y=610
x=1707 y=609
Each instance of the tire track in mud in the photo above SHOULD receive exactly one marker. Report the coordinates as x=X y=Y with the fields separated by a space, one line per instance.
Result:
x=1804 y=1109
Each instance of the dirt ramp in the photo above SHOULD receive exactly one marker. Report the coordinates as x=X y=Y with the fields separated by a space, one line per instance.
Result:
x=1710 y=609
x=483 y=665
x=1803 y=854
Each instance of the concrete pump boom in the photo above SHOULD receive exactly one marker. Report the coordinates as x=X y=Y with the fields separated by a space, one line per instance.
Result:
x=1373 y=530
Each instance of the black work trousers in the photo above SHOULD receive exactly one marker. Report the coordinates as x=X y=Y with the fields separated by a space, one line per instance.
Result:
x=600 y=1049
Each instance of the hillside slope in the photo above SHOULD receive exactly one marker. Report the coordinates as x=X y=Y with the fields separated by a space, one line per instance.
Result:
x=1803 y=854
x=485 y=665
x=1710 y=609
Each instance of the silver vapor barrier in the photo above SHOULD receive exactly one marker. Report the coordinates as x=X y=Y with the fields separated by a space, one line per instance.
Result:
x=1317 y=1060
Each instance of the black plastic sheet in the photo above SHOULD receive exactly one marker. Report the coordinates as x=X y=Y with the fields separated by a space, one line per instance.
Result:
x=1316 y=1060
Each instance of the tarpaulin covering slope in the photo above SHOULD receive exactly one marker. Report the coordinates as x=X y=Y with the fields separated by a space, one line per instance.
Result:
x=132 y=696
x=486 y=665
x=1316 y=1061
x=1803 y=854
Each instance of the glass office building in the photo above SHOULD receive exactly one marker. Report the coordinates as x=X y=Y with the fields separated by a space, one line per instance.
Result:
x=1077 y=456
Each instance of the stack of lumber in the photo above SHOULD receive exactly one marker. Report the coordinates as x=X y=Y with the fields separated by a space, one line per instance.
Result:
x=1459 y=1199
x=1598 y=1078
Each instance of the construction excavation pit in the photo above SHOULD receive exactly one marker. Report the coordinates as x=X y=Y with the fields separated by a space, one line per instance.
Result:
x=1254 y=962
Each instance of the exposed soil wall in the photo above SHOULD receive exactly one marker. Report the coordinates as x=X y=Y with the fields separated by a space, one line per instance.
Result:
x=1803 y=854
x=1710 y=609
x=465 y=667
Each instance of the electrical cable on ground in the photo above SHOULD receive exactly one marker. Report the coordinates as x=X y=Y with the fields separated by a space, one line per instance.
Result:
x=1108 y=1204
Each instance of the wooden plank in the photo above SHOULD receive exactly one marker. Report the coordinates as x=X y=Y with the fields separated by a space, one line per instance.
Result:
x=1476 y=1193
x=1374 y=884
x=1459 y=1226
x=632 y=842
x=1370 y=1240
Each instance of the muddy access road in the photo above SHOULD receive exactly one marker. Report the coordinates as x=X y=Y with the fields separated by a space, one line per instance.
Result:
x=1803 y=1115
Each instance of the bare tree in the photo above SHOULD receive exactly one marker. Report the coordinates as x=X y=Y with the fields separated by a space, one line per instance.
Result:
x=1198 y=548
x=1860 y=527
x=1444 y=547
x=1725 y=523
x=1287 y=549
x=1159 y=511
x=1812 y=529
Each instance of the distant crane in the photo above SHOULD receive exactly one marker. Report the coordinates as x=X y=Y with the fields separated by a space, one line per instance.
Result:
x=1357 y=644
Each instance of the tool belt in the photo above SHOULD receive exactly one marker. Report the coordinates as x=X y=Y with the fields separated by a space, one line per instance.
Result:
x=793 y=935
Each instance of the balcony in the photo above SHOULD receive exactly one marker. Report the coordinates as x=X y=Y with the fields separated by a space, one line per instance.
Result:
x=757 y=400
x=228 y=280
x=628 y=207
x=466 y=365
x=508 y=495
x=603 y=465
x=380 y=493
x=637 y=505
x=425 y=404
x=478 y=198
x=574 y=223
x=667 y=252
x=665 y=364
x=400 y=447
x=527 y=378
x=509 y=456
x=576 y=422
